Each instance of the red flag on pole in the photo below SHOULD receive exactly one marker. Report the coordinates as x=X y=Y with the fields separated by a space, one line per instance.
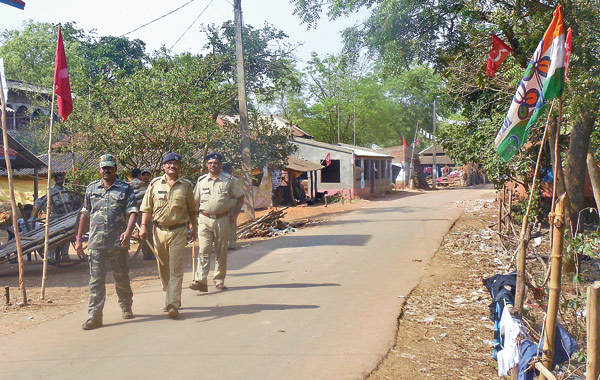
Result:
x=498 y=54
x=404 y=142
x=61 y=80
x=328 y=159
x=568 y=51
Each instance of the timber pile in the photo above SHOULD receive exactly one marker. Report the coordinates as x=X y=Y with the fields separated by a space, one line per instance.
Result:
x=61 y=231
x=262 y=226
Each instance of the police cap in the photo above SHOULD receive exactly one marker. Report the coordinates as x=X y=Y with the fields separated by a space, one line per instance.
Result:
x=172 y=156
x=214 y=156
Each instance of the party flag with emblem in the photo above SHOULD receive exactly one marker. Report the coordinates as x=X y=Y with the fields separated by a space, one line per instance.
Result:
x=498 y=53
x=543 y=80
x=61 y=79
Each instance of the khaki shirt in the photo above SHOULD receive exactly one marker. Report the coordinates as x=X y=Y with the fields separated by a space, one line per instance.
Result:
x=108 y=210
x=169 y=205
x=216 y=196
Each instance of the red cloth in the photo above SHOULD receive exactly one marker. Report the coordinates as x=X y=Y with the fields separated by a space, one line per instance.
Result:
x=328 y=159
x=61 y=80
x=498 y=54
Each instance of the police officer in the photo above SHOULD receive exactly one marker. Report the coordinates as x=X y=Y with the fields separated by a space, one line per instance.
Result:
x=169 y=204
x=110 y=208
x=216 y=193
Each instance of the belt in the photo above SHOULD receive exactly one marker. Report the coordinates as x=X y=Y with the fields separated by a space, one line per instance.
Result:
x=215 y=216
x=171 y=227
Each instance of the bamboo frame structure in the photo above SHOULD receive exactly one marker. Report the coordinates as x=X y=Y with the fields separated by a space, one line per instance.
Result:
x=555 y=283
x=592 y=367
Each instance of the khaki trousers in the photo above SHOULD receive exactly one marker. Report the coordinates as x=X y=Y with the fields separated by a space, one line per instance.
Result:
x=170 y=247
x=212 y=232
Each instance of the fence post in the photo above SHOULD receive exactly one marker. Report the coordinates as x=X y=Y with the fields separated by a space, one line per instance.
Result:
x=592 y=367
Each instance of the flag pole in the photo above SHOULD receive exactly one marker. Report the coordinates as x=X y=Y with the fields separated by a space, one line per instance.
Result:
x=48 y=195
x=523 y=238
x=13 y=205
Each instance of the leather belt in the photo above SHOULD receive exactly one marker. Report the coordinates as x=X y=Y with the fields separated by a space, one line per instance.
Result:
x=214 y=216
x=171 y=227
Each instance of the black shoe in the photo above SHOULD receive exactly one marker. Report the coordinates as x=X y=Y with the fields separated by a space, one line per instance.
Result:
x=91 y=324
x=197 y=285
x=127 y=314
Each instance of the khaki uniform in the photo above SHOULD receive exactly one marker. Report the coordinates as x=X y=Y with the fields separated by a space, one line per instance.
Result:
x=171 y=207
x=215 y=198
x=108 y=210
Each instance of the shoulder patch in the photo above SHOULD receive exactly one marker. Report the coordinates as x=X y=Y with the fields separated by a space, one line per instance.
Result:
x=202 y=177
x=185 y=180
x=154 y=180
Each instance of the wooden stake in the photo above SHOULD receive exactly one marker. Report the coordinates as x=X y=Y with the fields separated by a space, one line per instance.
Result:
x=592 y=367
x=500 y=211
x=13 y=204
x=555 y=283
x=7 y=295
x=523 y=239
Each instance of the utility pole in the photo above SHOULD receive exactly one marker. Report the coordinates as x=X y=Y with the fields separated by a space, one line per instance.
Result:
x=244 y=130
x=434 y=171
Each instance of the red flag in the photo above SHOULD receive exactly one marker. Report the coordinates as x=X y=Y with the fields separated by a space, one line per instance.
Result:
x=415 y=142
x=567 y=51
x=61 y=80
x=498 y=54
x=404 y=142
x=328 y=159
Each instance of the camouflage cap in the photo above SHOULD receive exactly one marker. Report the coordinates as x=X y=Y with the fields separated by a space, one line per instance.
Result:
x=107 y=160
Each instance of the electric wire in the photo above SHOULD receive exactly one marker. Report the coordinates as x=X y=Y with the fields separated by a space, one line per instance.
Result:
x=192 y=24
x=158 y=18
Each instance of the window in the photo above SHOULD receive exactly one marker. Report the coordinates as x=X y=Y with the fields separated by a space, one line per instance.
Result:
x=331 y=173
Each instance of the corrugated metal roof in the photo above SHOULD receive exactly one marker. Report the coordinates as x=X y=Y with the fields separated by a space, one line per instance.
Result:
x=301 y=165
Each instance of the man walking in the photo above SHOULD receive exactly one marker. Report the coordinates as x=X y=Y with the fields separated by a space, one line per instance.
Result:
x=216 y=193
x=110 y=209
x=169 y=204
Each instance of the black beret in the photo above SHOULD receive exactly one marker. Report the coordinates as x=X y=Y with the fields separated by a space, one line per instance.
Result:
x=172 y=156
x=214 y=155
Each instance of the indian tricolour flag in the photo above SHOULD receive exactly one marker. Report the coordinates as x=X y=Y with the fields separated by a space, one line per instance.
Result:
x=543 y=80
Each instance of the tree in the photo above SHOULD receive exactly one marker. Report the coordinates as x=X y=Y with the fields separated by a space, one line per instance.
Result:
x=454 y=37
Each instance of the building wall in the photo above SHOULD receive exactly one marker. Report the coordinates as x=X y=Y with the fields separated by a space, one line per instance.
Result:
x=350 y=173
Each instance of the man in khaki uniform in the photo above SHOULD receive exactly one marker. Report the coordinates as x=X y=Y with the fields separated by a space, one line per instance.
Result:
x=169 y=204
x=216 y=193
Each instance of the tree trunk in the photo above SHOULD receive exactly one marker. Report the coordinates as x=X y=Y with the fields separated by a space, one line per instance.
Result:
x=576 y=165
x=594 y=176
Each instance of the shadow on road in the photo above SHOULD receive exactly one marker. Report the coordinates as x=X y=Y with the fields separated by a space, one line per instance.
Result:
x=218 y=312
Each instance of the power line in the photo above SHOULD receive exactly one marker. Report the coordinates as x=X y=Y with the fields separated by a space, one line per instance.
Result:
x=192 y=24
x=156 y=19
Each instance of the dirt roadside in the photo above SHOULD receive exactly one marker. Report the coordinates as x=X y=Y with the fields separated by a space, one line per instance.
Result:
x=443 y=331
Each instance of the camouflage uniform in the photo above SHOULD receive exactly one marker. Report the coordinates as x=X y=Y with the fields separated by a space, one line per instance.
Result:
x=108 y=210
x=170 y=208
x=215 y=198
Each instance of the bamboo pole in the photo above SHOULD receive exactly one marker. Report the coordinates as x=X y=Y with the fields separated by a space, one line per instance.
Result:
x=592 y=367
x=524 y=239
x=555 y=283
x=48 y=197
x=501 y=206
x=13 y=204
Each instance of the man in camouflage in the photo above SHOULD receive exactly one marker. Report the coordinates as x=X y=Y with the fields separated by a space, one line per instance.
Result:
x=216 y=194
x=169 y=204
x=110 y=209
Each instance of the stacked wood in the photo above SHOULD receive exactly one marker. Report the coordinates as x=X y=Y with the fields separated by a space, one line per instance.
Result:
x=262 y=226
x=61 y=230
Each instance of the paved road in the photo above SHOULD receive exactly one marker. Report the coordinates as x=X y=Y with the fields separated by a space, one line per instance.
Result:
x=321 y=303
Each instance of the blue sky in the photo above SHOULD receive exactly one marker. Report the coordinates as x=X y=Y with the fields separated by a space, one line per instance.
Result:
x=117 y=17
